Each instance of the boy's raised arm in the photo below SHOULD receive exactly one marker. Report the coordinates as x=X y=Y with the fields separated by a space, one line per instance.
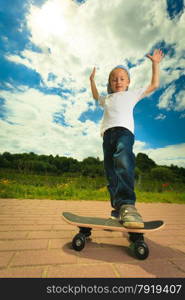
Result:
x=93 y=85
x=156 y=59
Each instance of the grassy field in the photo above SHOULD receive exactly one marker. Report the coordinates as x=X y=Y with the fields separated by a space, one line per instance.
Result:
x=30 y=186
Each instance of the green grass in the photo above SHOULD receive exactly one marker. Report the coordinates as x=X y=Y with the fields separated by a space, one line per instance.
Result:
x=31 y=186
x=165 y=197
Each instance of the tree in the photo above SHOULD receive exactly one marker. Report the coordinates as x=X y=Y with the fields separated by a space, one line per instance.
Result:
x=162 y=174
x=144 y=163
x=4 y=163
x=91 y=166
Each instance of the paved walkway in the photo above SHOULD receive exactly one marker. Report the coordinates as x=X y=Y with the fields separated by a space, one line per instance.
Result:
x=36 y=242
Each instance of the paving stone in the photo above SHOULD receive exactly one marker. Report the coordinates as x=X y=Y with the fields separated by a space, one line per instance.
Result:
x=179 y=247
x=147 y=268
x=49 y=234
x=5 y=258
x=22 y=272
x=67 y=244
x=180 y=264
x=24 y=227
x=113 y=254
x=82 y=271
x=43 y=257
x=9 y=235
x=134 y=271
x=112 y=242
x=23 y=245
x=60 y=244
x=168 y=240
x=162 y=251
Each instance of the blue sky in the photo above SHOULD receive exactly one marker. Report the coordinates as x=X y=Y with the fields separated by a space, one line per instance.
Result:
x=47 y=51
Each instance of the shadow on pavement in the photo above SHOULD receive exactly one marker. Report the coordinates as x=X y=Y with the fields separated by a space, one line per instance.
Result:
x=162 y=261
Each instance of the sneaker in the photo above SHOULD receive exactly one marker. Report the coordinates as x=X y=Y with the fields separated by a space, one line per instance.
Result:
x=129 y=217
x=115 y=214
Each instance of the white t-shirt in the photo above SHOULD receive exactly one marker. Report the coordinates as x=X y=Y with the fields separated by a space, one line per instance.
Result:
x=118 y=109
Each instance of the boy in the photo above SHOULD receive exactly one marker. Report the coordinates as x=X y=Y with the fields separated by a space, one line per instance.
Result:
x=117 y=129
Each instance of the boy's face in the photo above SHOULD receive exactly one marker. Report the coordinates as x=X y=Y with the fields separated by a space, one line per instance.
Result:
x=119 y=80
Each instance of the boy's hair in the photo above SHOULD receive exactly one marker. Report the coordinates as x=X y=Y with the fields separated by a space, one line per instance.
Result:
x=109 y=90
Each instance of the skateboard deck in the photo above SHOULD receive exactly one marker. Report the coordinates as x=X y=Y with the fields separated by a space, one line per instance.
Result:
x=108 y=224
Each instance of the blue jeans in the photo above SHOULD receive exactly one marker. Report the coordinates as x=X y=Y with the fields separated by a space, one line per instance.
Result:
x=119 y=164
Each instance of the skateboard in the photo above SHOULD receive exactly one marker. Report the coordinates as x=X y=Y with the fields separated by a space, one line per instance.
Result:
x=136 y=236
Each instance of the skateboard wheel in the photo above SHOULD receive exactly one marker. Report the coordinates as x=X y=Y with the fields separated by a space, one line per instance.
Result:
x=78 y=242
x=141 y=250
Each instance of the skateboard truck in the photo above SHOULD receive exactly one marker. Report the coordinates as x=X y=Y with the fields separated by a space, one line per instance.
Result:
x=138 y=246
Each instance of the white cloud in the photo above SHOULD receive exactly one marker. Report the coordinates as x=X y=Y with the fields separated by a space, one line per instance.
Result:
x=165 y=100
x=29 y=125
x=28 y=106
x=172 y=154
x=160 y=117
x=182 y=116
x=172 y=100
x=139 y=146
x=180 y=101
x=74 y=38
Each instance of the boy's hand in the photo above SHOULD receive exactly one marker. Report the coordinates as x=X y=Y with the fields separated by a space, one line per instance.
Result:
x=92 y=74
x=157 y=56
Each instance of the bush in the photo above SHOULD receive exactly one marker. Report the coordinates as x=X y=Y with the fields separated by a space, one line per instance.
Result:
x=162 y=174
